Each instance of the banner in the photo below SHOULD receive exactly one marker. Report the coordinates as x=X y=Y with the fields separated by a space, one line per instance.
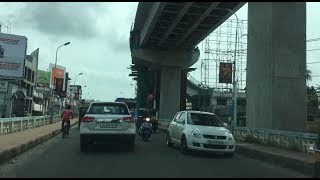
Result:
x=225 y=73
x=12 y=56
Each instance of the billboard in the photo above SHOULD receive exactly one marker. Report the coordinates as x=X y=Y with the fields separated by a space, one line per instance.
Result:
x=43 y=81
x=57 y=73
x=13 y=49
x=225 y=73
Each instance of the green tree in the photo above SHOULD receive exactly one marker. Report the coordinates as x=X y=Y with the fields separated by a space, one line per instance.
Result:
x=308 y=75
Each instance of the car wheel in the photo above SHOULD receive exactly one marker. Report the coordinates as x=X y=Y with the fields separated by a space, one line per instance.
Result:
x=83 y=144
x=183 y=146
x=168 y=140
x=229 y=154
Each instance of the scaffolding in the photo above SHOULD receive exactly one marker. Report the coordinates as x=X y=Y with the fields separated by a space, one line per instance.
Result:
x=5 y=27
x=219 y=47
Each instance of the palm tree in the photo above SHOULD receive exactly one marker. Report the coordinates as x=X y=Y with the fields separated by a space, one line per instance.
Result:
x=308 y=75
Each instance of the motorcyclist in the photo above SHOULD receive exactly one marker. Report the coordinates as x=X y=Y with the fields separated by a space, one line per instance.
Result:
x=66 y=115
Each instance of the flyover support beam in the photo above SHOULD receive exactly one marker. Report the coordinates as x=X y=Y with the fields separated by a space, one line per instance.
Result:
x=170 y=88
x=276 y=66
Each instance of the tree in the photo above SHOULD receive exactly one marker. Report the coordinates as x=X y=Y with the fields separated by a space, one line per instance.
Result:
x=308 y=75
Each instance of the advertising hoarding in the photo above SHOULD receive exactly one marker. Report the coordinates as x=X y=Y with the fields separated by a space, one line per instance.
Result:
x=57 y=73
x=13 y=49
x=225 y=73
x=43 y=81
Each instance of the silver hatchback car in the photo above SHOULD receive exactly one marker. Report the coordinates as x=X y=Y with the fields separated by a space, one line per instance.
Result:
x=107 y=122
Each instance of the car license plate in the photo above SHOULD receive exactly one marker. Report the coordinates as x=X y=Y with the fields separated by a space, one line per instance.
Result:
x=210 y=141
x=108 y=125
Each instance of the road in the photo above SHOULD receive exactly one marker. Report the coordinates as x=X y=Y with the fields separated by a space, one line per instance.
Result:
x=62 y=158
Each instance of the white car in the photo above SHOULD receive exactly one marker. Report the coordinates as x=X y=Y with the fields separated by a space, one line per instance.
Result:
x=203 y=131
x=107 y=122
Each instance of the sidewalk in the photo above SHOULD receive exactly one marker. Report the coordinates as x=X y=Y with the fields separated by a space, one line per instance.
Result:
x=298 y=161
x=16 y=143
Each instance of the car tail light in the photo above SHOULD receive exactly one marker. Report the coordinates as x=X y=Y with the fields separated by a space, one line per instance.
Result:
x=87 y=119
x=129 y=119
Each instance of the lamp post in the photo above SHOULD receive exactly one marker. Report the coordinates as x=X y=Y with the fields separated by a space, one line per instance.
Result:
x=53 y=93
x=65 y=44
x=74 y=82
x=234 y=121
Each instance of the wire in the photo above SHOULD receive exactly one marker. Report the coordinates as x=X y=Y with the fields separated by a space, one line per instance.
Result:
x=313 y=50
x=311 y=40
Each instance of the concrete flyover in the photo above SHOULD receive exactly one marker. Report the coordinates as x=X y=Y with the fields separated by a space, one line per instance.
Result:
x=164 y=37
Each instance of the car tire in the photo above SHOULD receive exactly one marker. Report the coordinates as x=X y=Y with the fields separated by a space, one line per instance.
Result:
x=229 y=154
x=168 y=140
x=83 y=144
x=131 y=145
x=183 y=146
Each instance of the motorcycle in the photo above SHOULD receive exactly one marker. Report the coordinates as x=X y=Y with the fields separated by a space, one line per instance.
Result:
x=145 y=130
x=65 y=128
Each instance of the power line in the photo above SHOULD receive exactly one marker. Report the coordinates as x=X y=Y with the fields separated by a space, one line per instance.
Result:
x=313 y=50
x=313 y=62
x=315 y=39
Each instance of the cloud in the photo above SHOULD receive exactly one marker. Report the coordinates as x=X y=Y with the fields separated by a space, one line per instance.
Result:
x=108 y=23
x=61 y=18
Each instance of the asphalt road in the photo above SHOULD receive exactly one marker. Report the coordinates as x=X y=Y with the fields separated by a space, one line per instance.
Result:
x=62 y=158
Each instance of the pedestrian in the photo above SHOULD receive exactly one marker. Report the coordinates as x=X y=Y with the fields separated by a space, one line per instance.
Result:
x=66 y=115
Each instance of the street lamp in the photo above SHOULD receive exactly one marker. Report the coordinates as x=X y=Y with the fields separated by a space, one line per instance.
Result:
x=55 y=66
x=65 y=44
x=234 y=122
x=74 y=83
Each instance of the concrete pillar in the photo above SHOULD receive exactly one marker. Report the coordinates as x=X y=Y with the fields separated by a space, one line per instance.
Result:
x=169 y=92
x=276 y=66
x=183 y=90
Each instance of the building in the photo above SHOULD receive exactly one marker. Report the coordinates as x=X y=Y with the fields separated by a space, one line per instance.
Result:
x=16 y=96
x=74 y=94
x=222 y=102
x=29 y=80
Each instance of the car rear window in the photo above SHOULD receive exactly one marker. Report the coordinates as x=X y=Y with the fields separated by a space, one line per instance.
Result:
x=108 y=108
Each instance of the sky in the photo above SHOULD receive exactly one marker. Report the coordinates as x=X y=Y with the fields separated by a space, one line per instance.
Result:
x=99 y=36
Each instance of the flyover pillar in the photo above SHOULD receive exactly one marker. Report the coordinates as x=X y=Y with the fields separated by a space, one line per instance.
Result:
x=170 y=88
x=276 y=66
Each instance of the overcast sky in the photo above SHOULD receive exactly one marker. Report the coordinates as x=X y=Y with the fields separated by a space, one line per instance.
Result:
x=99 y=36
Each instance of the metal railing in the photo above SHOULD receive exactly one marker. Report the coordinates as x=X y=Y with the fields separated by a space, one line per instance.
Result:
x=16 y=124
x=303 y=142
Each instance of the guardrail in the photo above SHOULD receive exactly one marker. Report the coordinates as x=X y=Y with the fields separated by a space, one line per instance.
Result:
x=11 y=125
x=303 y=142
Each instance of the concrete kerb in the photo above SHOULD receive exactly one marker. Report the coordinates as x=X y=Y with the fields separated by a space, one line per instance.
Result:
x=286 y=162
x=294 y=164
x=15 y=151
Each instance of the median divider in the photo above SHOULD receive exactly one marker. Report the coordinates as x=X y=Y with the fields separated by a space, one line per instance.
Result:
x=12 y=145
